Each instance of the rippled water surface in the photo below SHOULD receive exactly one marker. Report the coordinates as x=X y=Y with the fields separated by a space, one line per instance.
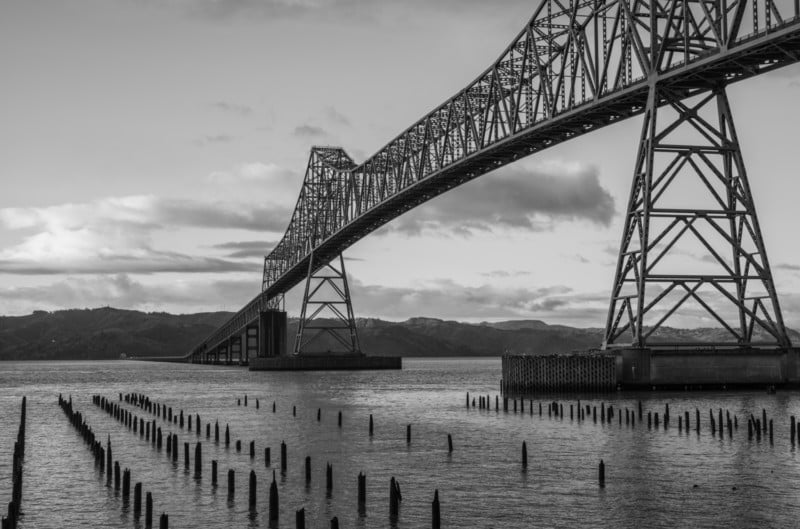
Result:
x=654 y=477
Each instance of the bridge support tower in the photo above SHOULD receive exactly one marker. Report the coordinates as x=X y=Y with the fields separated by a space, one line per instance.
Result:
x=327 y=325
x=692 y=241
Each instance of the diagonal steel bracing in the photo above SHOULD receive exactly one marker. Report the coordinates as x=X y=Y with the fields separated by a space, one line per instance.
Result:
x=689 y=153
x=327 y=322
x=574 y=68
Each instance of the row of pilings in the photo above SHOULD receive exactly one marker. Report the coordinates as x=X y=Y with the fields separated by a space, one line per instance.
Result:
x=105 y=463
x=719 y=423
x=15 y=505
x=138 y=425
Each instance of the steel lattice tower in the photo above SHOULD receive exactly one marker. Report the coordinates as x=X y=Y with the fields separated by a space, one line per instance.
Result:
x=693 y=144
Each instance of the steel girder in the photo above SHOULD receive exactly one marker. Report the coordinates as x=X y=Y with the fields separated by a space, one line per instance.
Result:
x=574 y=68
x=709 y=223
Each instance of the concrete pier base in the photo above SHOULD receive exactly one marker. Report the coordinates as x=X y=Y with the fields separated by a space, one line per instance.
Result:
x=326 y=363
x=707 y=368
x=654 y=368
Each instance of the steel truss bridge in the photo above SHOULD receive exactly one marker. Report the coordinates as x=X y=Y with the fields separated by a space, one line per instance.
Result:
x=574 y=68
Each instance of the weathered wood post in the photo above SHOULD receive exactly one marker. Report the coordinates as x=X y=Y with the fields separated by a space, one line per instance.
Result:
x=524 y=455
x=252 y=449
x=137 y=500
x=267 y=461
x=449 y=443
x=792 y=429
x=116 y=475
x=186 y=454
x=334 y=523
x=300 y=518
x=213 y=472
x=408 y=434
x=340 y=418
x=198 y=459
x=163 y=522
x=216 y=431
x=435 y=514
x=273 y=499
x=227 y=436
x=252 y=502
x=148 y=511
x=362 y=492
x=238 y=445
x=602 y=474
x=231 y=485
x=370 y=425
x=308 y=469
x=319 y=414
x=283 y=457
x=126 y=485
x=394 y=501
x=328 y=477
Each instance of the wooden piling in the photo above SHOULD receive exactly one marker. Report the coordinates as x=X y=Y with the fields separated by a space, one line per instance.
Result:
x=792 y=429
x=231 y=485
x=126 y=485
x=524 y=455
x=213 y=472
x=273 y=499
x=283 y=457
x=148 y=511
x=340 y=418
x=435 y=514
x=449 y=443
x=328 y=477
x=394 y=501
x=602 y=474
x=267 y=461
x=319 y=414
x=137 y=500
x=300 y=519
x=186 y=455
x=362 y=491
x=216 y=431
x=252 y=497
x=227 y=436
x=308 y=469
x=370 y=423
x=238 y=445
x=198 y=459
x=334 y=523
x=163 y=522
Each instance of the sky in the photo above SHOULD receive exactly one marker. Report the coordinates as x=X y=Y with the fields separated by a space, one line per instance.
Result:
x=151 y=153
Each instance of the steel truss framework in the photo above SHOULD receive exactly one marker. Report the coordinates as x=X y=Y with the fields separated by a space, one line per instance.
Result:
x=330 y=323
x=737 y=290
x=574 y=68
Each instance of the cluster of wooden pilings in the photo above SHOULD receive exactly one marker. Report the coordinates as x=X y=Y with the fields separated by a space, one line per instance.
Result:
x=151 y=432
x=718 y=423
x=104 y=462
x=553 y=373
x=15 y=505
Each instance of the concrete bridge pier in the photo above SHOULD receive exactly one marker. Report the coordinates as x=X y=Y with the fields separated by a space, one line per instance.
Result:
x=271 y=335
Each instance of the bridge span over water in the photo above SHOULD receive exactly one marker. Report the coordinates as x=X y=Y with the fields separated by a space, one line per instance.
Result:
x=574 y=68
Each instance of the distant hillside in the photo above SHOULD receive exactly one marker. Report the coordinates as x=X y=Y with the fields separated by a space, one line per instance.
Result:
x=107 y=332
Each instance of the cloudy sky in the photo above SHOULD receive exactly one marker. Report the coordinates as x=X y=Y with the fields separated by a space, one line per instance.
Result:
x=152 y=150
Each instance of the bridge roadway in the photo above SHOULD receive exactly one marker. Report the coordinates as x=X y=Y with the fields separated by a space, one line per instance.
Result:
x=728 y=58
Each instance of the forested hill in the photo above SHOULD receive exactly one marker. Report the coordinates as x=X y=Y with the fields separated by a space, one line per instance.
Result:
x=108 y=332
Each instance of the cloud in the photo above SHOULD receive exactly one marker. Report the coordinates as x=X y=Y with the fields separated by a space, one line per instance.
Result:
x=123 y=291
x=212 y=139
x=233 y=108
x=531 y=198
x=114 y=235
x=309 y=131
x=447 y=299
x=506 y=273
x=246 y=249
x=334 y=116
x=787 y=266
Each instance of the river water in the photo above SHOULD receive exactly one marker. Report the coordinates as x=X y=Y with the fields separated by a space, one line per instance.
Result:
x=654 y=477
